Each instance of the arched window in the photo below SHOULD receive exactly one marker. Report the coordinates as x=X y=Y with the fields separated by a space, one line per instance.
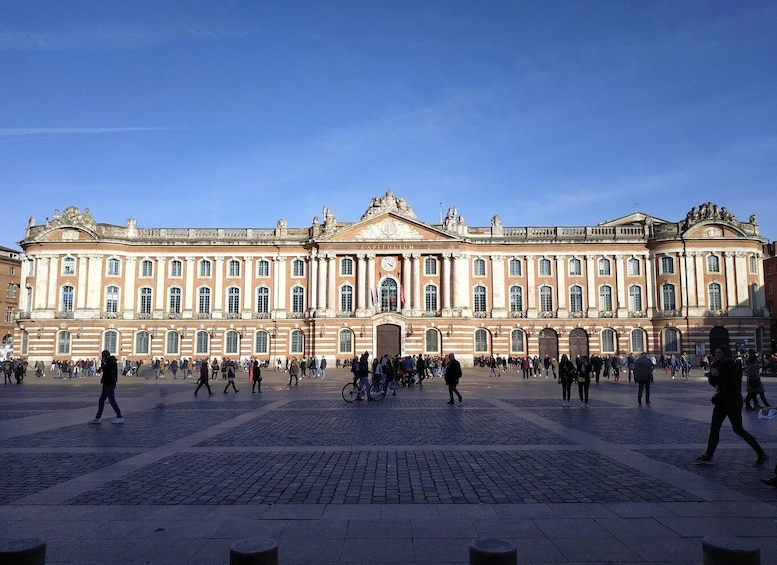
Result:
x=63 y=343
x=298 y=268
x=171 y=343
x=546 y=299
x=430 y=298
x=481 y=341
x=231 y=341
x=431 y=341
x=202 y=342
x=346 y=266
x=605 y=298
x=261 y=343
x=671 y=340
x=297 y=342
x=67 y=298
x=668 y=296
x=545 y=268
x=388 y=295
x=713 y=264
x=345 y=341
x=233 y=300
x=430 y=266
x=753 y=266
x=479 y=268
x=575 y=267
x=638 y=340
x=233 y=268
x=205 y=268
x=346 y=298
x=604 y=267
x=608 y=340
x=263 y=268
x=516 y=299
x=175 y=300
x=576 y=299
x=176 y=268
x=297 y=299
x=263 y=300
x=635 y=298
x=633 y=267
x=479 y=297
x=203 y=300
x=715 y=296
x=114 y=268
x=142 y=343
x=111 y=341
x=112 y=299
x=517 y=340
x=145 y=300
x=514 y=267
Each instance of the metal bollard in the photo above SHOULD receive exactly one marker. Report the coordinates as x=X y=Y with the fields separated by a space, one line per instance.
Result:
x=491 y=551
x=727 y=550
x=260 y=551
x=26 y=551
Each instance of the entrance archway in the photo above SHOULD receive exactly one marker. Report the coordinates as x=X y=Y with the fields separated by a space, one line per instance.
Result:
x=578 y=343
x=388 y=340
x=548 y=342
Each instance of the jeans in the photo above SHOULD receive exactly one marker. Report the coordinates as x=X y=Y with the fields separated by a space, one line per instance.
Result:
x=109 y=392
x=582 y=389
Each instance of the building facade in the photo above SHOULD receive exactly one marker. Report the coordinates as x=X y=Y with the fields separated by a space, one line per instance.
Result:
x=10 y=272
x=390 y=283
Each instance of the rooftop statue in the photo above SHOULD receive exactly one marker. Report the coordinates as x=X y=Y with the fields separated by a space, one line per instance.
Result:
x=388 y=203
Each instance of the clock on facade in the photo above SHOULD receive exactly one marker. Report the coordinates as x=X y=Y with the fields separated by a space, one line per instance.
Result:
x=388 y=263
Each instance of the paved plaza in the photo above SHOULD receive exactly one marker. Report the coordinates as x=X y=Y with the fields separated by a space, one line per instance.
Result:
x=406 y=480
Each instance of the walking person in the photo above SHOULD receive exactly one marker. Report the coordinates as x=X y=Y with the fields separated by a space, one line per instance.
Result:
x=755 y=387
x=583 y=380
x=214 y=369
x=643 y=375
x=230 y=377
x=452 y=376
x=256 y=376
x=726 y=376
x=294 y=371
x=566 y=374
x=203 y=380
x=110 y=375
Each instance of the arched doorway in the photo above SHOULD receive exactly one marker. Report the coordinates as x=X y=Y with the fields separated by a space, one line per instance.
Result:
x=578 y=343
x=388 y=340
x=548 y=342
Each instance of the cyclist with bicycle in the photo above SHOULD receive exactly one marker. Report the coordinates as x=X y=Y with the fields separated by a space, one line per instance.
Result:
x=363 y=372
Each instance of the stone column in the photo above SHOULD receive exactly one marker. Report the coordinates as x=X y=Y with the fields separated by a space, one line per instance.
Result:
x=592 y=290
x=414 y=292
x=248 y=277
x=315 y=295
x=189 y=275
x=561 y=286
x=409 y=291
x=361 y=284
x=218 y=291
x=279 y=285
x=620 y=276
x=499 y=300
x=331 y=285
x=82 y=272
x=371 y=281
x=445 y=283
x=45 y=283
x=159 y=275
x=740 y=274
x=730 y=285
x=461 y=290
x=531 y=287
x=130 y=272
x=94 y=284
x=701 y=290
x=622 y=303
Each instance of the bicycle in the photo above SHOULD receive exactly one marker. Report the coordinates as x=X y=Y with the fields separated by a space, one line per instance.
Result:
x=376 y=390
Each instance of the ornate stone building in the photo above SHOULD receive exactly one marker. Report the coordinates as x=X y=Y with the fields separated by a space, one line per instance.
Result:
x=390 y=283
x=9 y=297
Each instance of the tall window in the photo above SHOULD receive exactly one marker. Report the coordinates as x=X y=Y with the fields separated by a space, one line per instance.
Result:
x=545 y=268
x=346 y=298
x=715 y=297
x=605 y=298
x=201 y=342
x=388 y=295
x=175 y=300
x=171 y=343
x=633 y=267
x=517 y=340
x=576 y=299
x=514 y=267
x=608 y=341
x=480 y=298
x=110 y=341
x=575 y=267
x=146 y=268
x=11 y=291
x=67 y=298
x=345 y=341
x=68 y=266
x=205 y=268
x=638 y=340
x=113 y=267
x=26 y=342
x=263 y=268
x=431 y=341
x=112 y=299
x=297 y=342
x=176 y=268
x=604 y=267
x=479 y=268
x=667 y=265
x=481 y=341
x=233 y=300
x=430 y=266
x=753 y=263
x=516 y=299
x=635 y=298
x=298 y=268
x=261 y=342
x=145 y=300
x=671 y=340
x=63 y=343
x=713 y=264
x=233 y=268
x=232 y=338
x=297 y=299
x=203 y=300
x=9 y=315
x=346 y=266
x=668 y=296
x=142 y=343
x=263 y=299
x=546 y=299
x=430 y=298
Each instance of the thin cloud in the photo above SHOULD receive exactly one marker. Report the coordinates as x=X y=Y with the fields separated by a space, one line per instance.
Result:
x=31 y=132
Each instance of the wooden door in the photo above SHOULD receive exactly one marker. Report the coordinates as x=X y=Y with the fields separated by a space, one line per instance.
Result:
x=578 y=343
x=389 y=340
x=548 y=342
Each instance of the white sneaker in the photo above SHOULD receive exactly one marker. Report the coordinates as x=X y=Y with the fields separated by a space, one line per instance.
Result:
x=95 y=421
x=118 y=421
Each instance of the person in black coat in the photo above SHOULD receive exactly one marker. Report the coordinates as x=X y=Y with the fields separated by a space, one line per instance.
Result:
x=452 y=376
x=110 y=376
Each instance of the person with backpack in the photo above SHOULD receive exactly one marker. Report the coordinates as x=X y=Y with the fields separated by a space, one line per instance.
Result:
x=726 y=376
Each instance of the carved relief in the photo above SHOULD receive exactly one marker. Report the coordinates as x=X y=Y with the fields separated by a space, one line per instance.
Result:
x=389 y=229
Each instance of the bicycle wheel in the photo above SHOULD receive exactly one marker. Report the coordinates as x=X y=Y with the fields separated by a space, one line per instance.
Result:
x=376 y=391
x=350 y=392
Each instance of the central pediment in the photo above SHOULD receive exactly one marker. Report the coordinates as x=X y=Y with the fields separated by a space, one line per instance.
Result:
x=388 y=227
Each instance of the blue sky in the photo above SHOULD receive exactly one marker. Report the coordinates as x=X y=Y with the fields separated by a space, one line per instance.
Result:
x=236 y=113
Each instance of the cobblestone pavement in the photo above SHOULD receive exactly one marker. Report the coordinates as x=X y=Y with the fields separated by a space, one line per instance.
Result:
x=409 y=479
